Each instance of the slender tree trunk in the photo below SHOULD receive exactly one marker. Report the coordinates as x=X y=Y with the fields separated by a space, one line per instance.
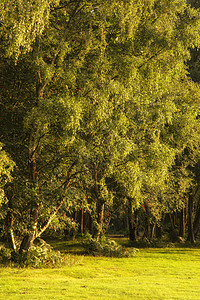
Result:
x=101 y=217
x=86 y=222
x=147 y=226
x=132 y=229
x=147 y=229
x=90 y=225
x=158 y=232
x=190 y=219
x=26 y=243
x=9 y=235
x=82 y=221
x=13 y=239
x=153 y=230
x=196 y=224
x=29 y=238
x=132 y=221
x=171 y=217
x=158 y=228
x=182 y=222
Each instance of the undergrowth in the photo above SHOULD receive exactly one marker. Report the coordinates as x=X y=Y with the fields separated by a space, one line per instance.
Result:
x=39 y=256
x=106 y=247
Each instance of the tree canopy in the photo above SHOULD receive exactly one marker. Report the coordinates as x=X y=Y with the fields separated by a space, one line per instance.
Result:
x=98 y=110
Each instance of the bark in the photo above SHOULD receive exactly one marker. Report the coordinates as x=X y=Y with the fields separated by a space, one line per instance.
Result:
x=100 y=203
x=50 y=219
x=29 y=238
x=190 y=237
x=147 y=230
x=13 y=240
x=86 y=221
x=132 y=222
x=100 y=221
x=90 y=225
x=132 y=233
x=147 y=227
x=196 y=224
x=153 y=230
x=9 y=222
x=172 y=221
x=183 y=220
x=158 y=232
x=82 y=221
x=158 y=228
x=26 y=243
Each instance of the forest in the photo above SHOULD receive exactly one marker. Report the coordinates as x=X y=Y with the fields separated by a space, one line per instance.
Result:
x=99 y=120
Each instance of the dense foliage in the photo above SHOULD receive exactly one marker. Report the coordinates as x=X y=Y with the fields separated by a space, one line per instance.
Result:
x=99 y=117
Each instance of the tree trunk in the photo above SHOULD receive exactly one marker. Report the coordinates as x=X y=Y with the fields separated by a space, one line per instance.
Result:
x=82 y=221
x=158 y=228
x=26 y=243
x=153 y=230
x=90 y=225
x=158 y=232
x=29 y=238
x=100 y=222
x=25 y=246
x=190 y=237
x=13 y=240
x=196 y=224
x=9 y=236
x=147 y=226
x=172 y=221
x=183 y=220
x=132 y=222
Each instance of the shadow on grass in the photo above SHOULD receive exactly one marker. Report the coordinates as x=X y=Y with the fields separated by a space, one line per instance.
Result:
x=67 y=246
x=76 y=246
x=156 y=243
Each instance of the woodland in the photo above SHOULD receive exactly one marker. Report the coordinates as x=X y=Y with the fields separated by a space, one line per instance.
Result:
x=99 y=120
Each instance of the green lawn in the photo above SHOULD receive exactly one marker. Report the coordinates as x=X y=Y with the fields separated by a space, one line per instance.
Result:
x=151 y=274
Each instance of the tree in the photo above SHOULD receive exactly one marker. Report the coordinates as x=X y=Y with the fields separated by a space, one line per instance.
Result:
x=51 y=143
x=91 y=97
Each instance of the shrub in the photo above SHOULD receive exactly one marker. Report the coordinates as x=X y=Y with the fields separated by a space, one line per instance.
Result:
x=5 y=255
x=42 y=255
x=106 y=247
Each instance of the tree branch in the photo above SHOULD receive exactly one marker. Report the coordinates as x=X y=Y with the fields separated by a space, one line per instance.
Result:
x=50 y=220
x=150 y=58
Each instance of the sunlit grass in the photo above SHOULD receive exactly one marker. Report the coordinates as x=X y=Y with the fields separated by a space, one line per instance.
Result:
x=151 y=274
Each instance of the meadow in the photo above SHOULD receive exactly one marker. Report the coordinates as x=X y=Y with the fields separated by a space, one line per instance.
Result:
x=153 y=273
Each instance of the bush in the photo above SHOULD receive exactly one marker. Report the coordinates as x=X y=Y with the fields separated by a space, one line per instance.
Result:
x=106 y=247
x=42 y=255
x=5 y=255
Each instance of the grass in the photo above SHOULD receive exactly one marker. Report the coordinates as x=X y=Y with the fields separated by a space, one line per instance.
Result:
x=70 y=246
x=168 y=273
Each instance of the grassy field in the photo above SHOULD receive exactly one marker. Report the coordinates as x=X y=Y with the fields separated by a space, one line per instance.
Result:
x=168 y=273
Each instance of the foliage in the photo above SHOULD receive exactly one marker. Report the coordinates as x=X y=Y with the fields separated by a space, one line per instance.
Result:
x=43 y=255
x=107 y=247
x=98 y=111
x=27 y=21
x=5 y=255
x=39 y=256
x=6 y=167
